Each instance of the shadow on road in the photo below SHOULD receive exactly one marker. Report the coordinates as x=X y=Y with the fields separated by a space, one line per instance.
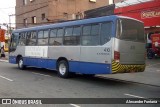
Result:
x=96 y=80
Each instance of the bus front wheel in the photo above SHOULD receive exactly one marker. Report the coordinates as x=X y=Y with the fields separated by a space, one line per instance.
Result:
x=63 y=69
x=20 y=63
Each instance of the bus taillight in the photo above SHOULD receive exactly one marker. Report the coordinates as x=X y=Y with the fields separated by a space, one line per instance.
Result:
x=116 y=56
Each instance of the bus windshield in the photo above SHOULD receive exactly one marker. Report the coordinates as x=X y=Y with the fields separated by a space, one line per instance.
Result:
x=14 y=41
x=130 y=30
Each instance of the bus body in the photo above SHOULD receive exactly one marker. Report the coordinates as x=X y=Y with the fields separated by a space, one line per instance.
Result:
x=103 y=45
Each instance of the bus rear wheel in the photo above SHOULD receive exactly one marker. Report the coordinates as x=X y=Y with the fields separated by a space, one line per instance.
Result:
x=20 y=64
x=63 y=69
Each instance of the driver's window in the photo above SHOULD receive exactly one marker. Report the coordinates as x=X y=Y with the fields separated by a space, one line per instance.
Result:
x=14 y=40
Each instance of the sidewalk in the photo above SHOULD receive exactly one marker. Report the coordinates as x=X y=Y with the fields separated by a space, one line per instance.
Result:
x=151 y=75
x=4 y=59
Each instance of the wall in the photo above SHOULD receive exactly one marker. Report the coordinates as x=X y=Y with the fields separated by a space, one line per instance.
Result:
x=55 y=10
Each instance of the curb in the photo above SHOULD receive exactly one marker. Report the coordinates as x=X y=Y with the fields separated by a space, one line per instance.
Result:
x=129 y=81
x=3 y=60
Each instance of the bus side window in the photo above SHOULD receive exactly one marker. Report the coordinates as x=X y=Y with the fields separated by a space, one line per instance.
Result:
x=86 y=33
x=56 y=37
x=31 y=38
x=105 y=32
x=52 y=37
x=22 y=41
x=77 y=34
x=28 y=38
x=43 y=37
x=72 y=36
x=58 y=40
x=34 y=37
x=90 y=36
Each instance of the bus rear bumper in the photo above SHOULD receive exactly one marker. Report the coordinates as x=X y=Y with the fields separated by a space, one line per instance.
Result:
x=121 y=68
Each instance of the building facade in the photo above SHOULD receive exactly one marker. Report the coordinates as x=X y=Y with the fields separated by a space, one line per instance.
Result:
x=35 y=12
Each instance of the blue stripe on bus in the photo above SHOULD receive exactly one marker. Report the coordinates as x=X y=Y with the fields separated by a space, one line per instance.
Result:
x=90 y=68
x=40 y=63
x=74 y=66
x=12 y=59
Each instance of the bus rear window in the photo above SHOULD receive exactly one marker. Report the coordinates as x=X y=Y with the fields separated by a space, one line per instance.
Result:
x=130 y=30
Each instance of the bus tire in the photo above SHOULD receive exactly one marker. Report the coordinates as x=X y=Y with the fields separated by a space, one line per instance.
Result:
x=21 y=66
x=63 y=69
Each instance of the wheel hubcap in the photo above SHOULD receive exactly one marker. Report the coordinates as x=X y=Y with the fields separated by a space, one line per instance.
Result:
x=62 y=69
x=21 y=63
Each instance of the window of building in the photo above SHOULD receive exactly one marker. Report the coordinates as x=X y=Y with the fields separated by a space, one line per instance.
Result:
x=24 y=2
x=25 y=22
x=31 y=0
x=106 y=32
x=93 y=1
x=31 y=38
x=56 y=37
x=43 y=37
x=34 y=19
x=78 y=16
x=43 y=16
x=90 y=35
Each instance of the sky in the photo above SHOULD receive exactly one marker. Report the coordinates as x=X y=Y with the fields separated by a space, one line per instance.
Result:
x=7 y=7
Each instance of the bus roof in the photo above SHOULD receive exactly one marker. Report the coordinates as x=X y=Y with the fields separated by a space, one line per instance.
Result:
x=72 y=23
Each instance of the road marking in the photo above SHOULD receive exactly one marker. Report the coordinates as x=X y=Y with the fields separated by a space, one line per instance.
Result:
x=41 y=74
x=6 y=78
x=74 y=105
x=133 y=96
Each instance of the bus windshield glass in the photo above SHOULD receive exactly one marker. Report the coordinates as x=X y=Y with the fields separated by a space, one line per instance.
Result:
x=130 y=30
x=14 y=41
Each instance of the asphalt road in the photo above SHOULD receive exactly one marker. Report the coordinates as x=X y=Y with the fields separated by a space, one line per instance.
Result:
x=41 y=83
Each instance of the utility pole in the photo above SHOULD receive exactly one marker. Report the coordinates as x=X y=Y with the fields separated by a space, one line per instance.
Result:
x=10 y=22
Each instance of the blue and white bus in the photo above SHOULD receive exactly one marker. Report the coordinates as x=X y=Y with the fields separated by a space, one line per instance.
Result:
x=103 y=45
